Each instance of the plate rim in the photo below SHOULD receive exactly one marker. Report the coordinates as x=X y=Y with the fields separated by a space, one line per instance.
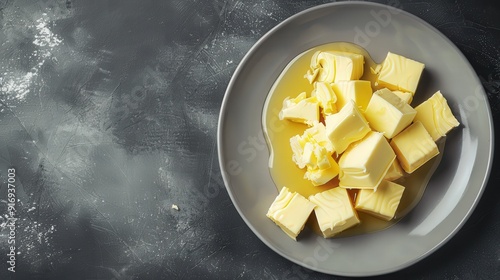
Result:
x=253 y=50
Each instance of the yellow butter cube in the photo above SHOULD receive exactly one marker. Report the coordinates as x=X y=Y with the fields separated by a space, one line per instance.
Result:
x=365 y=163
x=414 y=146
x=358 y=90
x=334 y=66
x=313 y=150
x=315 y=156
x=395 y=171
x=387 y=113
x=382 y=202
x=305 y=145
x=346 y=127
x=405 y=96
x=326 y=97
x=301 y=109
x=317 y=135
x=400 y=73
x=436 y=116
x=334 y=211
x=290 y=212
x=323 y=173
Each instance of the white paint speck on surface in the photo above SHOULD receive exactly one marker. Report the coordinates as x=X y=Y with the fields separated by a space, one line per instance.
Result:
x=15 y=84
x=44 y=36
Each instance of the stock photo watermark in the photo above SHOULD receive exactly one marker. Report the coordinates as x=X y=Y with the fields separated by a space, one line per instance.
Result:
x=472 y=102
x=323 y=250
x=10 y=223
x=381 y=19
x=250 y=147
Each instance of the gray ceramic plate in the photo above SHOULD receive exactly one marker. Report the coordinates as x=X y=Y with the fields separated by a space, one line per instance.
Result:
x=453 y=191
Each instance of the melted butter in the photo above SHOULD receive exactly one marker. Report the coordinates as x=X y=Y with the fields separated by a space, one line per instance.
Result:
x=283 y=170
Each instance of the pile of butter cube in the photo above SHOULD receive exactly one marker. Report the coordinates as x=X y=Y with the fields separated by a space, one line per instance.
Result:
x=368 y=139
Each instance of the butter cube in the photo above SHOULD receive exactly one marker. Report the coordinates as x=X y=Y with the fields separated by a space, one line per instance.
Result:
x=436 y=116
x=300 y=109
x=389 y=114
x=304 y=146
x=400 y=73
x=334 y=211
x=405 y=96
x=414 y=146
x=313 y=150
x=346 y=127
x=381 y=203
x=290 y=212
x=317 y=134
x=334 y=66
x=326 y=97
x=322 y=173
x=395 y=171
x=365 y=163
x=315 y=156
x=358 y=90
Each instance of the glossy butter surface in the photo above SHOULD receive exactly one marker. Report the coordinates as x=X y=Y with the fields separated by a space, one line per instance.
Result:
x=400 y=73
x=335 y=66
x=290 y=212
x=382 y=202
x=301 y=109
x=414 y=147
x=334 y=211
x=360 y=91
x=436 y=116
x=345 y=127
x=388 y=114
x=365 y=163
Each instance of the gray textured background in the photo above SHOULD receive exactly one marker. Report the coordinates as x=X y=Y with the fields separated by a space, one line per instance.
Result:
x=108 y=113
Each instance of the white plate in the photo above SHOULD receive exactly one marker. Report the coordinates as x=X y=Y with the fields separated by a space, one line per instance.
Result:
x=455 y=187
